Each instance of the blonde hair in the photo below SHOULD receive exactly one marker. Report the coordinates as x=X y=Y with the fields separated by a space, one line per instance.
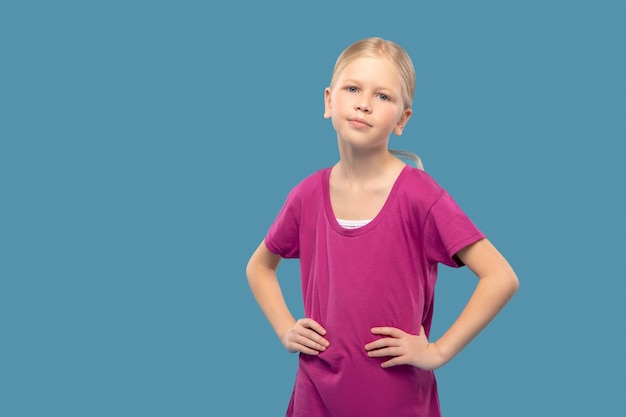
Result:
x=381 y=48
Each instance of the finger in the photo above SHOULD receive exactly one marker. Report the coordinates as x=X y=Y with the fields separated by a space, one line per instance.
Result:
x=306 y=350
x=391 y=351
x=304 y=345
x=313 y=325
x=315 y=337
x=388 y=331
x=391 y=362
x=317 y=345
x=379 y=353
x=312 y=340
x=381 y=343
x=313 y=330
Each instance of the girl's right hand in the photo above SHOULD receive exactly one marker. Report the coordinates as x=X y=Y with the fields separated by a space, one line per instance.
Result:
x=306 y=336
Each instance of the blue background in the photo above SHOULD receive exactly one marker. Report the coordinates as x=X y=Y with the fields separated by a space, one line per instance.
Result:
x=146 y=146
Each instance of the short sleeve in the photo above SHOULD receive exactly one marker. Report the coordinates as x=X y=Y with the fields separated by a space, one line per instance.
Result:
x=283 y=237
x=448 y=230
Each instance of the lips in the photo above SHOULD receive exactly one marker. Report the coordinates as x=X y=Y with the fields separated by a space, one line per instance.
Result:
x=359 y=123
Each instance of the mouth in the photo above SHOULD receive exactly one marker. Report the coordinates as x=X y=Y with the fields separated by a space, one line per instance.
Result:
x=359 y=123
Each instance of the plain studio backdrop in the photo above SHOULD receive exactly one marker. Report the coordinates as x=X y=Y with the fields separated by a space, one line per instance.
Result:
x=146 y=146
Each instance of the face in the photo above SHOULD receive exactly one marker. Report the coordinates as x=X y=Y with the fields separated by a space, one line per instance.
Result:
x=365 y=104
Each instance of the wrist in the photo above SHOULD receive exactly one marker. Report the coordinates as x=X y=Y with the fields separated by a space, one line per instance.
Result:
x=444 y=352
x=282 y=330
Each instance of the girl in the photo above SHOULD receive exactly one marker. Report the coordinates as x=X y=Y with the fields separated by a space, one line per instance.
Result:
x=370 y=232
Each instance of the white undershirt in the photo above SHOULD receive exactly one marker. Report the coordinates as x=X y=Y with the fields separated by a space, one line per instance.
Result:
x=352 y=224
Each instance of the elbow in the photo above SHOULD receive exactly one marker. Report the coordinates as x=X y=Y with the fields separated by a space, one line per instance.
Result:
x=512 y=283
x=261 y=264
x=504 y=283
x=250 y=271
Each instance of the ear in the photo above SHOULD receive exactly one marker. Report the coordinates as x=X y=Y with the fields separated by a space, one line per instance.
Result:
x=327 y=103
x=406 y=115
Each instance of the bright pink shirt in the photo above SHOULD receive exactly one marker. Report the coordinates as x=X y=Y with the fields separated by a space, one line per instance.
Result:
x=381 y=274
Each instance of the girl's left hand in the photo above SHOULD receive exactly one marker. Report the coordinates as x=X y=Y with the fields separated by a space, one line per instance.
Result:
x=404 y=349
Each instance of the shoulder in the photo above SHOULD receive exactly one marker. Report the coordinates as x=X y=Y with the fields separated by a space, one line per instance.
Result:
x=315 y=179
x=419 y=186
x=310 y=185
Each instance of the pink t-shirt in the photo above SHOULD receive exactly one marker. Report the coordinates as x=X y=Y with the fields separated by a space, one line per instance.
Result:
x=381 y=274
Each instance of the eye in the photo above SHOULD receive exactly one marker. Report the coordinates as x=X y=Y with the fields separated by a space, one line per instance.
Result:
x=352 y=89
x=384 y=97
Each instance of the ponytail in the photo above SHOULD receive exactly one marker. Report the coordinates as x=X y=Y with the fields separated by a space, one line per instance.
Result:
x=408 y=156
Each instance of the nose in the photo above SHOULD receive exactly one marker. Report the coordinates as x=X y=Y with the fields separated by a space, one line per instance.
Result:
x=363 y=105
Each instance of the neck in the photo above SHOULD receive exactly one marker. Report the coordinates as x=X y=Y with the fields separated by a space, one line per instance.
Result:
x=365 y=165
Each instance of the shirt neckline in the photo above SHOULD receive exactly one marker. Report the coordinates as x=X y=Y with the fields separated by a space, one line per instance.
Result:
x=332 y=219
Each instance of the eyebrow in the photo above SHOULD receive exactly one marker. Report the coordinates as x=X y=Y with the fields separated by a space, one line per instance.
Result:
x=378 y=88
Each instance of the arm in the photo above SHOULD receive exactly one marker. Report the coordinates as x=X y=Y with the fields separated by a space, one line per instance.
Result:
x=497 y=283
x=304 y=335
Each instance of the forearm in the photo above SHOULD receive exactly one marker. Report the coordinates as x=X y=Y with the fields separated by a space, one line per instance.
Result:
x=489 y=297
x=269 y=296
x=261 y=273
